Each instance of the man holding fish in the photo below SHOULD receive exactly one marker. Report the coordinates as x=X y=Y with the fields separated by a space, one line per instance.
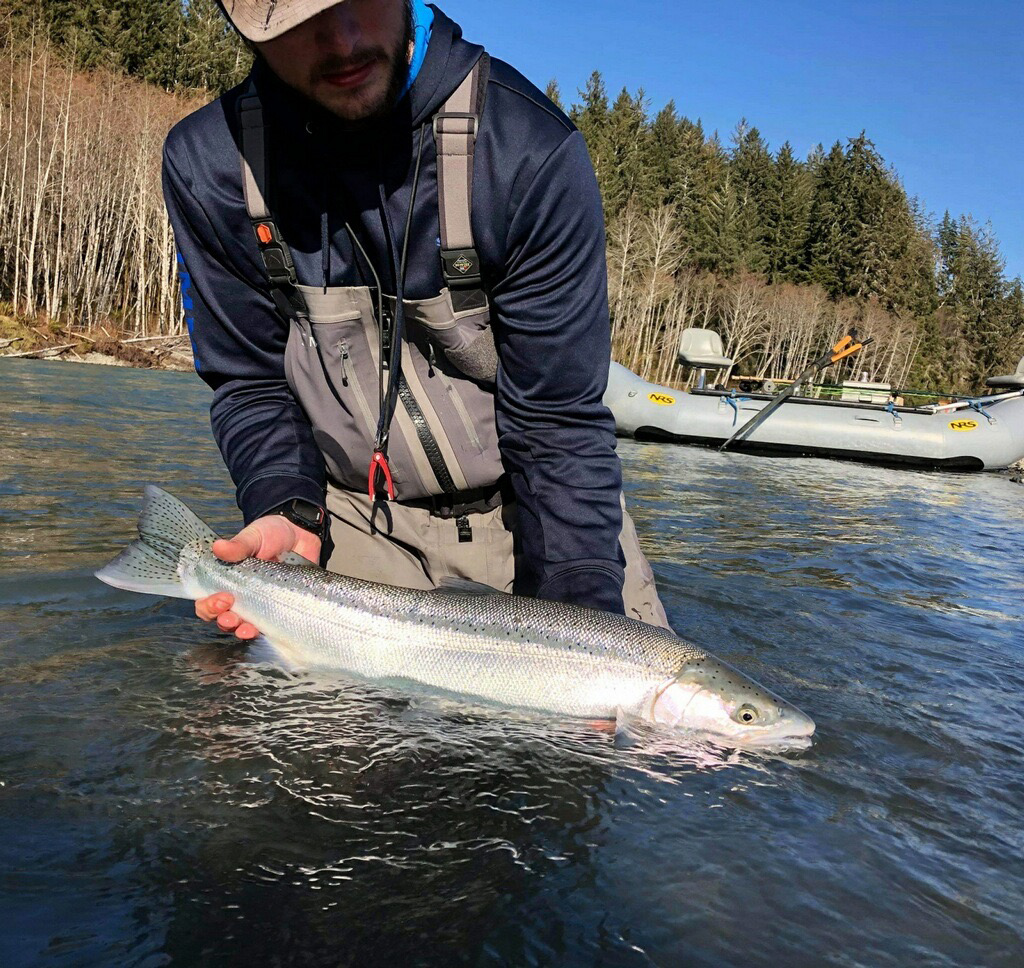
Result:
x=393 y=269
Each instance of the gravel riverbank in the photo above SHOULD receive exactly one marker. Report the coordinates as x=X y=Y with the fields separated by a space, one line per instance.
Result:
x=19 y=339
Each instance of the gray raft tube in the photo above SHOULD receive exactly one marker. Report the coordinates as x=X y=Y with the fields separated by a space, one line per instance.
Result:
x=954 y=437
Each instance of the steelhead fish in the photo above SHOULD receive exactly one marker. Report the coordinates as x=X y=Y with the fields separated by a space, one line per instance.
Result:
x=463 y=638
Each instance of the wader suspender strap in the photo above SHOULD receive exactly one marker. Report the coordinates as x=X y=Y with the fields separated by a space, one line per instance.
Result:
x=277 y=257
x=455 y=130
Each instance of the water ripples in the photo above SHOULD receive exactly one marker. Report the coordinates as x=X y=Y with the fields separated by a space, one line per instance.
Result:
x=170 y=797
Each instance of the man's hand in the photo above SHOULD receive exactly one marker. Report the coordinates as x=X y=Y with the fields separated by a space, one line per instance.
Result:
x=266 y=538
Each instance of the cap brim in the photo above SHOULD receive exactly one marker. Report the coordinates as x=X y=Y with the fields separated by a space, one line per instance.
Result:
x=261 y=20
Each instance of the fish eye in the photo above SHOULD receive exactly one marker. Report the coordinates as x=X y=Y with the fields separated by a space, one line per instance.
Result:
x=746 y=714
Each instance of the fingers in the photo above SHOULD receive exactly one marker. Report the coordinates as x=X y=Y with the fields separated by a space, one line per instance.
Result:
x=230 y=622
x=210 y=608
x=218 y=608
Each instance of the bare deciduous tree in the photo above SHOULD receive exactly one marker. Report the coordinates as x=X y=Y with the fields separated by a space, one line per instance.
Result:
x=84 y=235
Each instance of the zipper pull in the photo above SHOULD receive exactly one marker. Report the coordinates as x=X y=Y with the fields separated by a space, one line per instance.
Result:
x=431 y=359
x=343 y=349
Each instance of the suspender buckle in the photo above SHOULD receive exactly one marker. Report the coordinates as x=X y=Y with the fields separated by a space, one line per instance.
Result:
x=461 y=268
x=459 y=124
x=276 y=257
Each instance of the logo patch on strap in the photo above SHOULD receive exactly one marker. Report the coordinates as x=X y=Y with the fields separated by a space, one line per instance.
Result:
x=462 y=264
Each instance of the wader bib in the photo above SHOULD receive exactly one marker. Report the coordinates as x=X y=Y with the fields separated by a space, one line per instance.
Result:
x=453 y=514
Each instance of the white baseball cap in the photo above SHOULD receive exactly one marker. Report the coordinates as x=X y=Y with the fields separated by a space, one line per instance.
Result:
x=260 y=20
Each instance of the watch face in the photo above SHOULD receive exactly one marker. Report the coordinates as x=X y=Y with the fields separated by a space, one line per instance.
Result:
x=308 y=512
x=306 y=515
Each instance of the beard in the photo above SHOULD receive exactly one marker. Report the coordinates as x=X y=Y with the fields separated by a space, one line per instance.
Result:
x=378 y=101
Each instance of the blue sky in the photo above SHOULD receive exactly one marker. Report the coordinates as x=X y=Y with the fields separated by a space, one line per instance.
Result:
x=938 y=86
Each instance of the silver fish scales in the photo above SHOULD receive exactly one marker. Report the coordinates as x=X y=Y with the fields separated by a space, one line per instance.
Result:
x=461 y=639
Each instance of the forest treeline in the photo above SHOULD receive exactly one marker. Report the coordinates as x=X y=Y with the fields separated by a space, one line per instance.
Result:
x=179 y=45
x=780 y=254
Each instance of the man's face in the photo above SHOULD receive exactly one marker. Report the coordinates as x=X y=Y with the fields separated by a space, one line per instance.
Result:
x=351 y=59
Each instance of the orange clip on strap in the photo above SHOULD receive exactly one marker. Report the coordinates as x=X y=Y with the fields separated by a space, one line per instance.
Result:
x=380 y=463
x=264 y=234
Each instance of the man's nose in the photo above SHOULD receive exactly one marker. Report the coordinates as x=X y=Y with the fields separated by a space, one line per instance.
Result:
x=338 y=28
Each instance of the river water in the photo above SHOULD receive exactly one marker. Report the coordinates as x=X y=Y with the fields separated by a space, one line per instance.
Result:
x=167 y=800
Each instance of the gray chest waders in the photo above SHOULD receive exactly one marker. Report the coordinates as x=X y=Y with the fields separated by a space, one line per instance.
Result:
x=436 y=443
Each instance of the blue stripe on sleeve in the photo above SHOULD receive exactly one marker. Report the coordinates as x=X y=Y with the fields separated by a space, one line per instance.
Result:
x=188 y=304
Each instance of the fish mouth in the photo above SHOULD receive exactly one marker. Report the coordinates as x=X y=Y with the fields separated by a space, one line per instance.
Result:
x=775 y=741
x=758 y=741
x=794 y=731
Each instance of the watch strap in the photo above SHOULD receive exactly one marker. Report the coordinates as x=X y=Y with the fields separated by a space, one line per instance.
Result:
x=304 y=514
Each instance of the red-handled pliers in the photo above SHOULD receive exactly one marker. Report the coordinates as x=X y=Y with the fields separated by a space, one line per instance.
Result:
x=379 y=463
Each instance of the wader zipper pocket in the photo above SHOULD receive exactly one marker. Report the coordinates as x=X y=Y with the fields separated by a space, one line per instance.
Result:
x=457 y=403
x=350 y=380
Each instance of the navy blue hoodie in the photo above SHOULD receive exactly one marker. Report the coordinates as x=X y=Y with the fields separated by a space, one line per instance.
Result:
x=539 y=230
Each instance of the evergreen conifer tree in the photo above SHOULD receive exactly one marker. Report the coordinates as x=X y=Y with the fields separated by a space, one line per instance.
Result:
x=554 y=94
x=827 y=253
x=786 y=215
x=591 y=117
x=720 y=226
x=667 y=156
x=753 y=177
x=627 y=136
x=212 y=55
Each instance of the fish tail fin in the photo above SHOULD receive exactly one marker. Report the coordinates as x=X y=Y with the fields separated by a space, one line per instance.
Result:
x=150 y=564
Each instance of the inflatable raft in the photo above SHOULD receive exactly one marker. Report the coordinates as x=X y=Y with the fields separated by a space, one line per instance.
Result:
x=967 y=435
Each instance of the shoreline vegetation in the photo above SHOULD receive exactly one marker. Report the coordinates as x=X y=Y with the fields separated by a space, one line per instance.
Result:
x=781 y=255
x=21 y=339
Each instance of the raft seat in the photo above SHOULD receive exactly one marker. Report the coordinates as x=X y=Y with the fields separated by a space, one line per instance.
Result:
x=1015 y=381
x=702 y=350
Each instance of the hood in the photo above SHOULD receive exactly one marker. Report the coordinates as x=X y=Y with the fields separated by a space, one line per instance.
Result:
x=422 y=22
x=448 y=60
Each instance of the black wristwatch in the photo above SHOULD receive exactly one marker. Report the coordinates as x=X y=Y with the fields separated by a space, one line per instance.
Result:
x=304 y=514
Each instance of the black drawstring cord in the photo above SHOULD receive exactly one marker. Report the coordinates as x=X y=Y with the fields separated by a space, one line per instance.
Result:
x=379 y=308
x=412 y=201
x=325 y=248
x=388 y=390
x=389 y=399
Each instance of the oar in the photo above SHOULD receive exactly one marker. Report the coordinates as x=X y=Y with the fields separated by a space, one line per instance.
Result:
x=847 y=346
